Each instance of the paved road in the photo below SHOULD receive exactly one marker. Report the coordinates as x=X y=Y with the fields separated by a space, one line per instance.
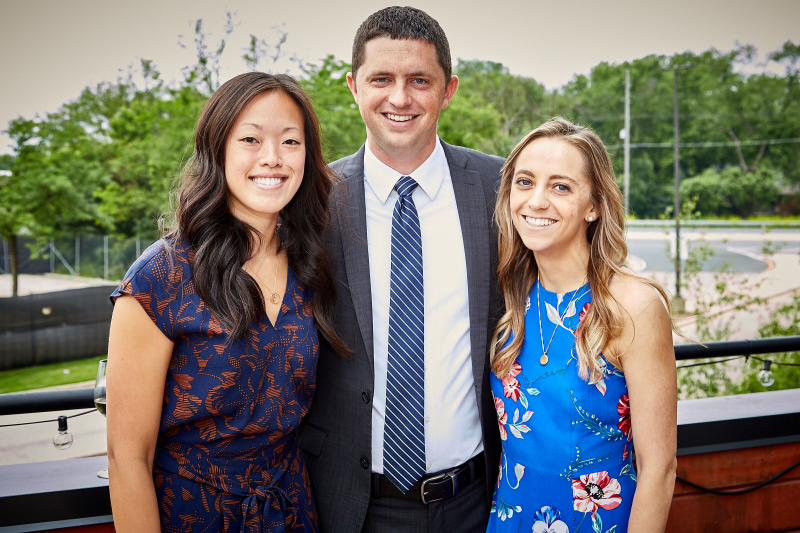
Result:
x=737 y=251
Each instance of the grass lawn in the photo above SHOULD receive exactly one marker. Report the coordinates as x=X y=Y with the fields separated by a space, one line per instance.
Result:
x=37 y=377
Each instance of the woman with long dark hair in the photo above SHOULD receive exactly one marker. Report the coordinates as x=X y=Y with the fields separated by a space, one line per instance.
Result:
x=213 y=343
x=582 y=359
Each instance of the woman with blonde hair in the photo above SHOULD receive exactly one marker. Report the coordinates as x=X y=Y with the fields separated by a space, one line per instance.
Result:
x=582 y=359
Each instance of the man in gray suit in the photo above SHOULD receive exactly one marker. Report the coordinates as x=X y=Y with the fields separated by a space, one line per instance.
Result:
x=403 y=434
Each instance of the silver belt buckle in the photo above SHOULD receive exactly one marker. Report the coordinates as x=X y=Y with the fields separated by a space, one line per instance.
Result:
x=440 y=477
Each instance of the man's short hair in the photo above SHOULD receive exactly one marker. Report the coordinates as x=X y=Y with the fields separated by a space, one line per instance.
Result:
x=402 y=23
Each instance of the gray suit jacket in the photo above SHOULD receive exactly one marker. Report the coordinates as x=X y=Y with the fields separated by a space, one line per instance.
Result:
x=336 y=436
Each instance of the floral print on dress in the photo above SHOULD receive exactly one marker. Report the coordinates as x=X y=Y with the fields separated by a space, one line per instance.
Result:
x=548 y=520
x=517 y=426
x=582 y=314
x=504 y=510
x=502 y=417
x=519 y=471
x=594 y=491
x=512 y=388
x=561 y=454
x=624 y=410
x=226 y=457
x=624 y=425
x=510 y=384
x=600 y=380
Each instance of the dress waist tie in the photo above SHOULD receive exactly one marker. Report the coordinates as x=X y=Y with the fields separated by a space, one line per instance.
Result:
x=266 y=509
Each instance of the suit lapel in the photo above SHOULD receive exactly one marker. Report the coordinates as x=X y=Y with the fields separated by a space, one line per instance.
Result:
x=352 y=216
x=472 y=216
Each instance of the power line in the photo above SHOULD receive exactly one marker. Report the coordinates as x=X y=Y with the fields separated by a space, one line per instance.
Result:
x=645 y=116
x=792 y=140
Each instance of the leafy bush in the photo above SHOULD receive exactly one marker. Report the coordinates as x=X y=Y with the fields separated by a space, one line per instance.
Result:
x=732 y=191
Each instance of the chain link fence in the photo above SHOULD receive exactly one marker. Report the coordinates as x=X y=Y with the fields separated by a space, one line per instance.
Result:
x=93 y=256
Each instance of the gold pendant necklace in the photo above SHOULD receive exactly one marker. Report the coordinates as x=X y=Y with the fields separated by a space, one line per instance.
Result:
x=544 y=359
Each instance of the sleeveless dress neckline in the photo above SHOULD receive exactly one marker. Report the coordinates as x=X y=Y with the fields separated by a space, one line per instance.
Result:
x=544 y=290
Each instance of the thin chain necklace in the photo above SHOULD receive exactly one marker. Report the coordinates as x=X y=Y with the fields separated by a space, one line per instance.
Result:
x=544 y=359
x=275 y=298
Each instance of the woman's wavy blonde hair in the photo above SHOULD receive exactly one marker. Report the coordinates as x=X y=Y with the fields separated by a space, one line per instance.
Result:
x=517 y=269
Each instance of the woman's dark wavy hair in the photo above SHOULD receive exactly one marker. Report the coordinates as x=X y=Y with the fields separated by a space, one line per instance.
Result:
x=222 y=243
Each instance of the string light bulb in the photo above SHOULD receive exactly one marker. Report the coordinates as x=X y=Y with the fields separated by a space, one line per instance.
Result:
x=63 y=439
x=765 y=376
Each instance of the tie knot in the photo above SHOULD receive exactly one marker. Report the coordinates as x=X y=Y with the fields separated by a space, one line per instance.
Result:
x=405 y=186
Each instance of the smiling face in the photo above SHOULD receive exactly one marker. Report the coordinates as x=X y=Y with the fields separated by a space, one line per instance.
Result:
x=400 y=89
x=551 y=198
x=265 y=158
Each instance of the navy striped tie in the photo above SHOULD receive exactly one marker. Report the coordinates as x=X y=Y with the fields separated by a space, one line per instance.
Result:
x=404 y=432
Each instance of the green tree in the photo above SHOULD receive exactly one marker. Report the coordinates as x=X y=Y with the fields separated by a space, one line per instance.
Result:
x=151 y=138
x=472 y=122
x=505 y=107
x=732 y=191
x=343 y=130
x=707 y=189
x=745 y=192
x=722 y=109
x=648 y=196
x=58 y=166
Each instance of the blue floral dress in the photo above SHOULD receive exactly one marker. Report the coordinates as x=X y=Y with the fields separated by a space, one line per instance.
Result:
x=566 y=464
x=226 y=458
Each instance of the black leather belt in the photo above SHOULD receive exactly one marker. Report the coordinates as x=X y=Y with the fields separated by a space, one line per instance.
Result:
x=433 y=487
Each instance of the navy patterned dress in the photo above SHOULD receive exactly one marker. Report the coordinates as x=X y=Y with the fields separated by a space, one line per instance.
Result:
x=566 y=464
x=226 y=458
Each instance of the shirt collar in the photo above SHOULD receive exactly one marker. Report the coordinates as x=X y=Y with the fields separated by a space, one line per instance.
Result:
x=382 y=178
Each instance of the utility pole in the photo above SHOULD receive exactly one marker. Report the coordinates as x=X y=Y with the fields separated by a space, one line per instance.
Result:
x=677 y=301
x=627 y=142
x=677 y=175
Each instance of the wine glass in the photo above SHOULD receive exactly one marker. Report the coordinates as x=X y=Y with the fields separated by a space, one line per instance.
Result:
x=100 y=399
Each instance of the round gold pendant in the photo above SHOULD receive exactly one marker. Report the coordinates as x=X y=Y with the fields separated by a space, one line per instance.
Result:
x=543 y=359
x=274 y=298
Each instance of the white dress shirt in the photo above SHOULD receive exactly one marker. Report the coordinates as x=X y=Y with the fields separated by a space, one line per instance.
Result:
x=452 y=423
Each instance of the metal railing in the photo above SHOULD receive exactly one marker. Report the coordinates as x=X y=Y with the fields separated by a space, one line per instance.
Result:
x=17 y=403
x=45 y=401
x=710 y=350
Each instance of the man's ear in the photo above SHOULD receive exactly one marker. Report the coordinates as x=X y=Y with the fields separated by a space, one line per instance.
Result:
x=449 y=90
x=351 y=82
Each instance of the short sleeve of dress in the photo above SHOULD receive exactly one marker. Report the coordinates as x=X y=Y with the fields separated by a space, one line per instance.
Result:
x=156 y=280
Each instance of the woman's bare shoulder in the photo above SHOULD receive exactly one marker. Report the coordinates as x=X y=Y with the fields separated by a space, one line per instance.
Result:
x=633 y=292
